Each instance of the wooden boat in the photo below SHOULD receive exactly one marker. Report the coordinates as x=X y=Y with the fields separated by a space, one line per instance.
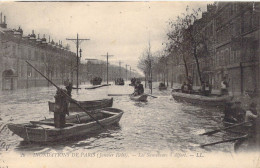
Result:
x=88 y=105
x=76 y=126
x=142 y=97
x=212 y=100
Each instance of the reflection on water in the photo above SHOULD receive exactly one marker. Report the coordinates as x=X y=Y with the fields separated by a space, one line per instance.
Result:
x=156 y=125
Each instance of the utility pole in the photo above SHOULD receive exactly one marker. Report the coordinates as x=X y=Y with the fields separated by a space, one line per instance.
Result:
x=77 y=41
x=130 y=73
x=120 y=69
x=107 y=64
x=126 y=71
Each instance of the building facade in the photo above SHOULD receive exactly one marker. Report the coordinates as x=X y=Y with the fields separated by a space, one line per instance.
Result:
x=52 y=59
x=231 y=32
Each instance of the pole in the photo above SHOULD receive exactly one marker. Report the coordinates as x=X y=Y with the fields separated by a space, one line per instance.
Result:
x=107 y=67
x=130 y=72
x=126 y=71
x=120 y=69
x=77 y=45
x=77 y=41
x=107 y=64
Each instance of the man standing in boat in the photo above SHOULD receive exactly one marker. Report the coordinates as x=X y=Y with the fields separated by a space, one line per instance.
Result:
x=61 y=108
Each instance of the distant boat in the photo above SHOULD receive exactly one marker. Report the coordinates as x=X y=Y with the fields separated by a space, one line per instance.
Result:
x=141 y=98
x=212 y=100
x=162 y=86
x=88 y=105
x=76 y=125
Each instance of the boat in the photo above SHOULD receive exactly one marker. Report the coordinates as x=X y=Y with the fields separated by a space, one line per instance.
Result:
x=88 y=105
x=195 y=98
x=142 y=97
x=162 y=86
x=119 y=81
x=76 y=126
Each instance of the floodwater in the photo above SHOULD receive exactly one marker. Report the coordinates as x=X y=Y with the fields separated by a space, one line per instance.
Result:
x=160 y=124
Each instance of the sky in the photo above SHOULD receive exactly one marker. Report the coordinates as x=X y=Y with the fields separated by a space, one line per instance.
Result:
x=121 y=29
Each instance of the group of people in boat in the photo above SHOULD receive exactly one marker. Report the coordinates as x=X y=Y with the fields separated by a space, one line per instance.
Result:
x=206 y=87
x=96 y=81
x=138 y=86
x=119 y=81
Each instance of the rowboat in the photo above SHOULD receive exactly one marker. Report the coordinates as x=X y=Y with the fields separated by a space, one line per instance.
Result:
x=142 y=97
x=76 y=126
x=88 y=105
x=211 y=100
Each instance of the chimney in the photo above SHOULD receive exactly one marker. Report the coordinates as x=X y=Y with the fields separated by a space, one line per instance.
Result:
x=1 y=18
x=4 y=19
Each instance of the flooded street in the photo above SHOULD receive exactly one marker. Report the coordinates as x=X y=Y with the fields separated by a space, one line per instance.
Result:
x=160 y=124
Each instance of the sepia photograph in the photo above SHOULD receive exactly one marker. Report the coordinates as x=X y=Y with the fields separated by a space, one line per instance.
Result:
x=118 y=84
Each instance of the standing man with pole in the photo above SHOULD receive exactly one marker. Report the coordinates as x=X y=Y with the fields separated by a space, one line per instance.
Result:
x=77 y=41
x=107 y=64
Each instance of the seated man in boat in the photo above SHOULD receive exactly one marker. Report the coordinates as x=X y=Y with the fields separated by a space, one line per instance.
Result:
x=184 y=87
x=206 y=88
x=239 y=112
x=229 y=115
x=139 y=88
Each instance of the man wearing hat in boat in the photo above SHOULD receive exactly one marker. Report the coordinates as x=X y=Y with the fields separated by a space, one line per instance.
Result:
x=62 y=103
x=139 y=88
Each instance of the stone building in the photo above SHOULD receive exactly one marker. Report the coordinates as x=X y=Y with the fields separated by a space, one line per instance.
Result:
x=52 y=59
x=232 y=34
x=237 y=46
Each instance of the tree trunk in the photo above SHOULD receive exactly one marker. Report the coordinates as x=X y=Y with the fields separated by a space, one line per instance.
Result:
x=197 y=63
x=186 y=67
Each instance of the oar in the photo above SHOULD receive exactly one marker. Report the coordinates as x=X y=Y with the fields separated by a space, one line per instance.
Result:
x=118 y=94
x=225 y=128
x=151 y=95
x=228 y=140
x=65 y=94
